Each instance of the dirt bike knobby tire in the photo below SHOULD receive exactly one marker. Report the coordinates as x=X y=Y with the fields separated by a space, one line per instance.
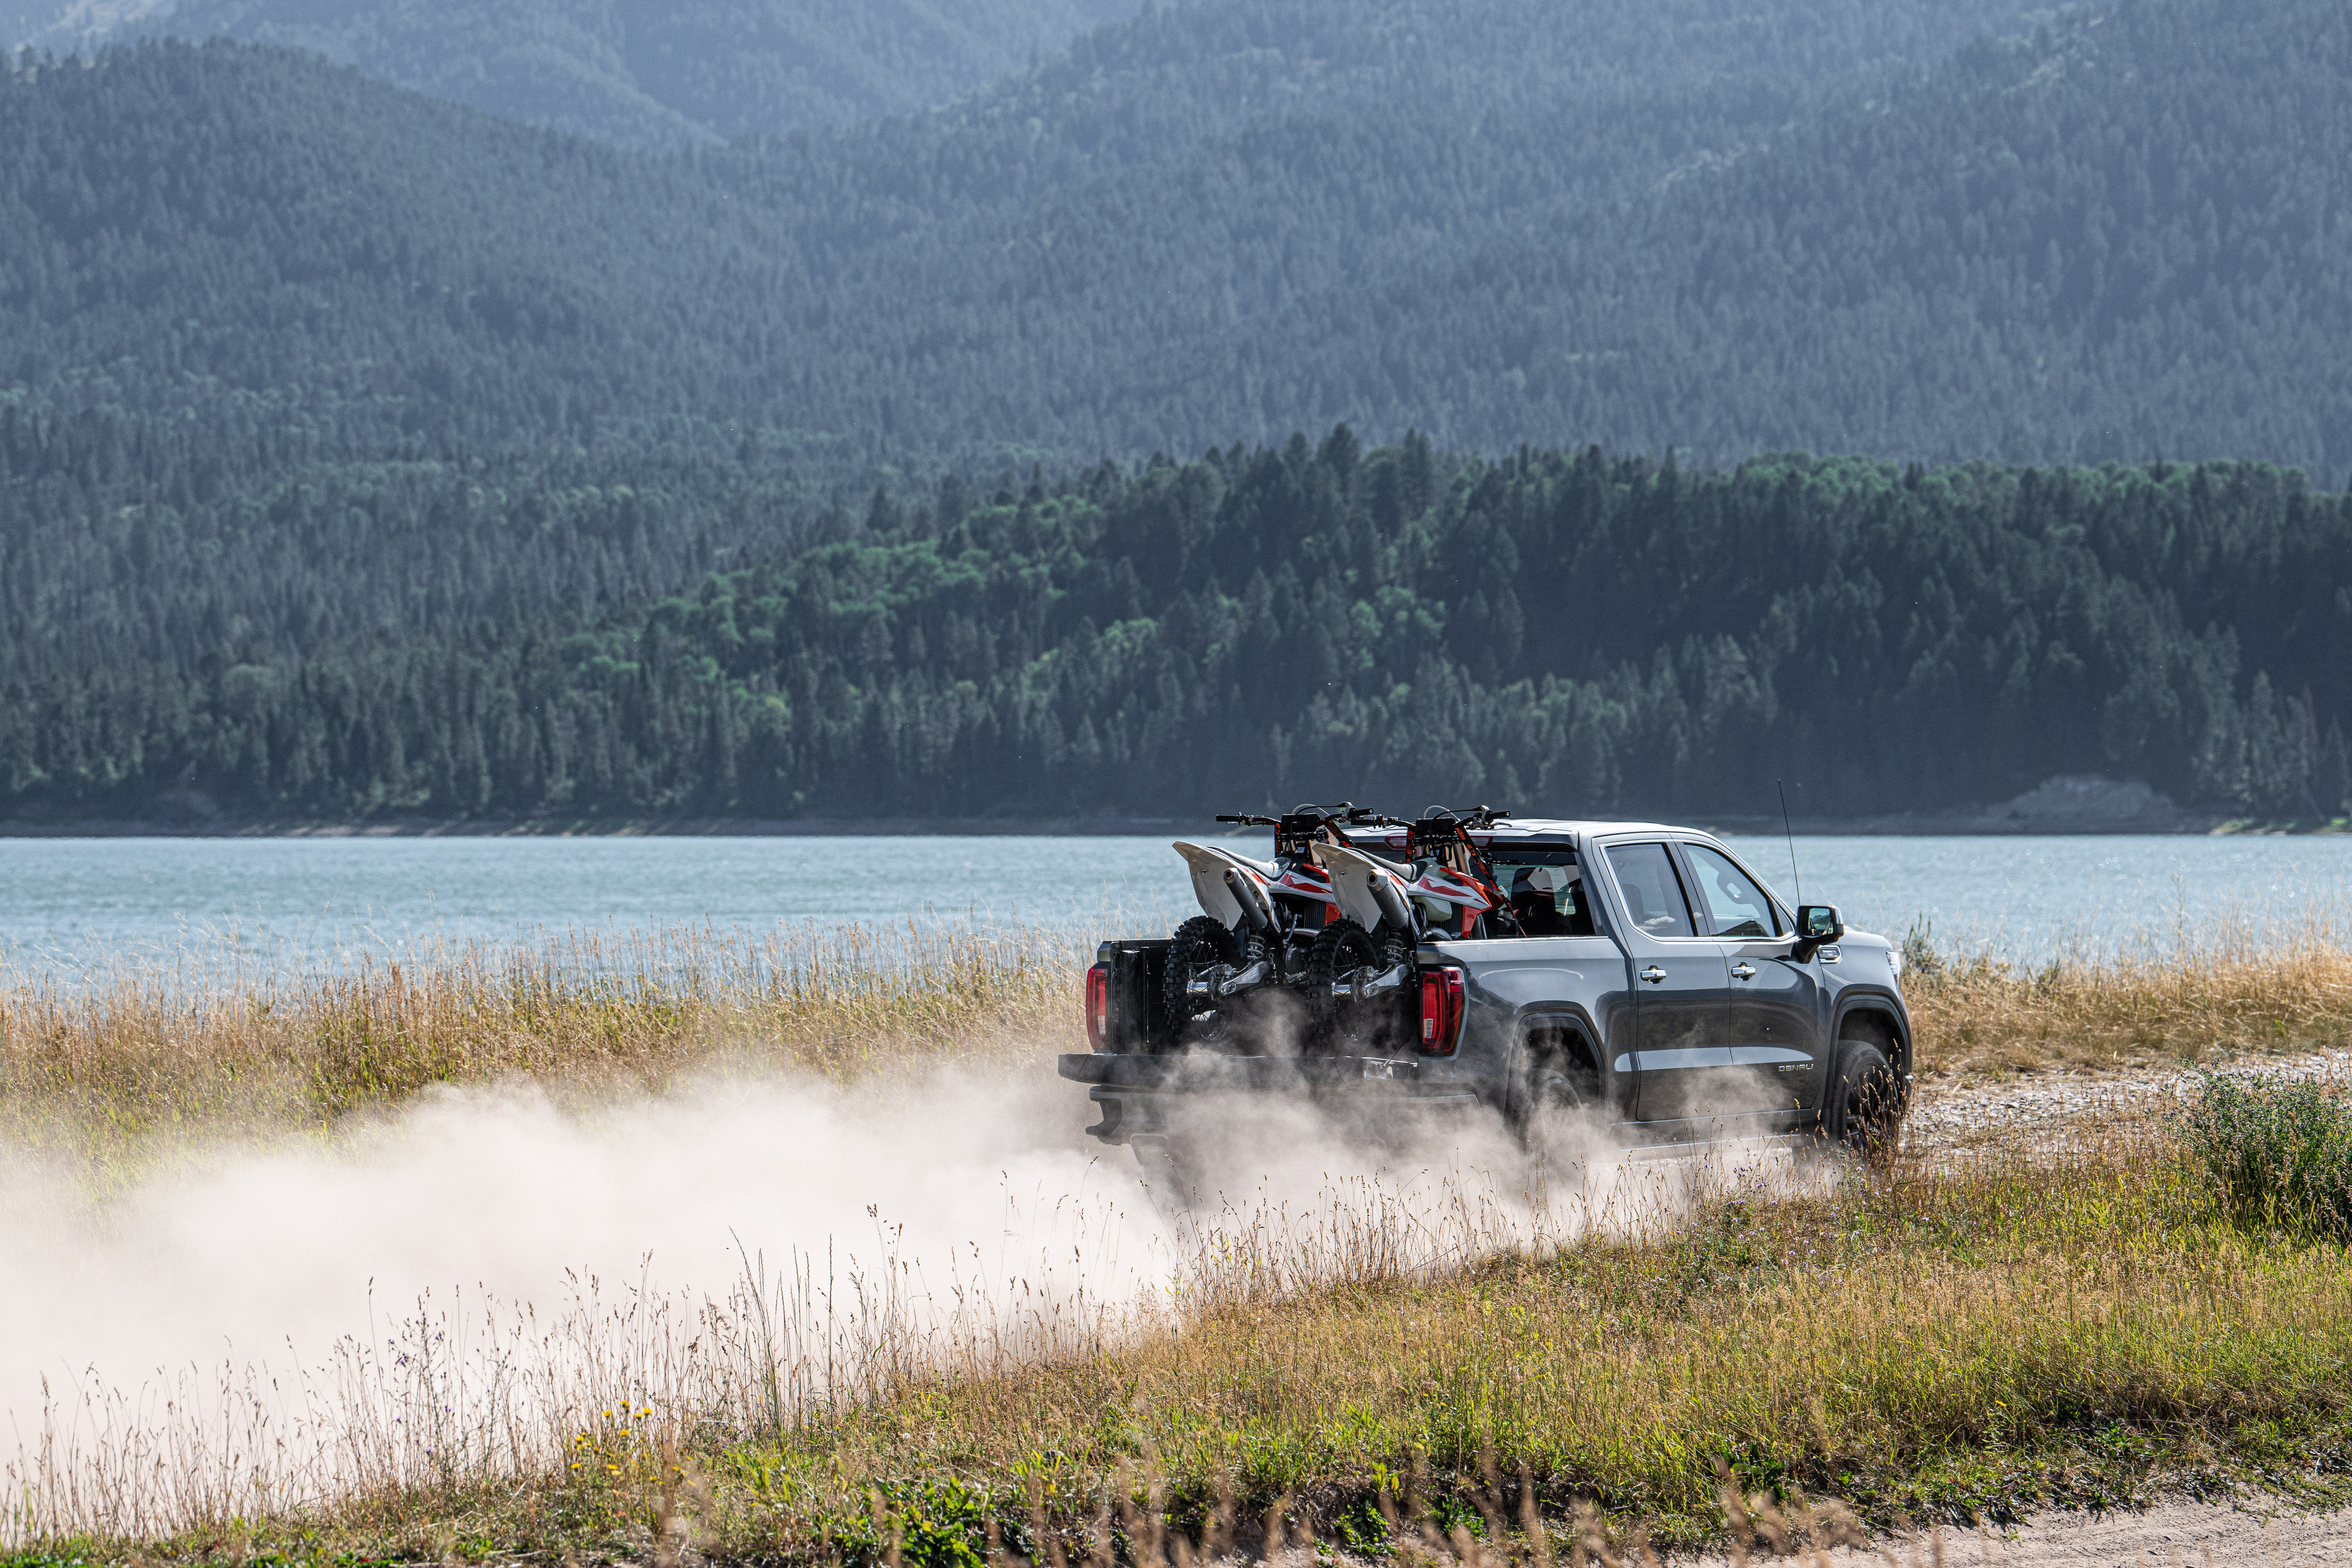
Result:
x=1199 y=943
x=1338 y=950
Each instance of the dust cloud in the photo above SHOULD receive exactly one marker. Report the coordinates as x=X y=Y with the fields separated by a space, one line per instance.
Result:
x=778 y=1232
x=248 y=1251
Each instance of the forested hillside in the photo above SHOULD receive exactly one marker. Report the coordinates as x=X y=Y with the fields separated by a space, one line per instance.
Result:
x=363 y=453
x=174 y=543
x=1562 y=628
x=667 y=73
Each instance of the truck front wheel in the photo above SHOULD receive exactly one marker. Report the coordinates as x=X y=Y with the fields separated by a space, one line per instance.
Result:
x=1863 y=1109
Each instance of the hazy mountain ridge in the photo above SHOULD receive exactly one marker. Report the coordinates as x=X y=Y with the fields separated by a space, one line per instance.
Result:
x=1842 y=284
x=2142 y=208
x=2116 y=238
x=631 y=72
x=746 y=282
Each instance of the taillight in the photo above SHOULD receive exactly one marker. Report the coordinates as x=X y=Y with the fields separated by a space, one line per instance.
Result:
x=1098 y=1006
x=1441 y=1011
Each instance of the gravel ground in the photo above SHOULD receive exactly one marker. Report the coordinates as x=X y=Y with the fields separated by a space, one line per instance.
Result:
x=2176 y=1535
x=2055 y=1103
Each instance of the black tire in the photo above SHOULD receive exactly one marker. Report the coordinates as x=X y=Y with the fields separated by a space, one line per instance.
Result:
x=1338 y=950
x=1546 y=1104
x=1862 y=1107
x=1200 y=943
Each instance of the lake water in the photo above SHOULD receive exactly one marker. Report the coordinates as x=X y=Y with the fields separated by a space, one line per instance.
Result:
x=69 y=905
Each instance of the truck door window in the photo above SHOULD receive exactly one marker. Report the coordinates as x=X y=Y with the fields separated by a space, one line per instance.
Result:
x=1653 y=894
x=1546 y=889
x=1734 y=902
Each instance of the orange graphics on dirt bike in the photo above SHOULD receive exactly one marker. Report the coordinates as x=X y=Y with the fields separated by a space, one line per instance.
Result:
x=1452 y=882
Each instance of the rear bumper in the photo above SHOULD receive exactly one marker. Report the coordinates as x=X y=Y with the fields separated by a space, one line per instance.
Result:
x=1147 y=1096
x=1209 y=1074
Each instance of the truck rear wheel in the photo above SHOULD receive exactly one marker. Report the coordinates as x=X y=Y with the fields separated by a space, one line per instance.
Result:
x=1546 y=1106
x=1862 y=1111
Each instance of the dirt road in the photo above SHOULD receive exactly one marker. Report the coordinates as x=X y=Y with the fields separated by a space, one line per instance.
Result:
x=2177 y=1535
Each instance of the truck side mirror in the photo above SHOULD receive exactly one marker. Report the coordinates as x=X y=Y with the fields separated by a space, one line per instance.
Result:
x=1817 y=925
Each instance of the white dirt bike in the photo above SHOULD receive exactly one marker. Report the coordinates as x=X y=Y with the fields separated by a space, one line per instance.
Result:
x=1363 y=966
x=1256 y=934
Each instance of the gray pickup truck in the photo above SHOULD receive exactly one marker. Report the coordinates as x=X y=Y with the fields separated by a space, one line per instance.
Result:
x=1671 y=997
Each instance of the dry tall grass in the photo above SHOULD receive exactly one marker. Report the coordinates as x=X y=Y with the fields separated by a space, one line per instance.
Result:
x=2240 y=990
x=1938 y=1344
x=1957 y=1336
x=139 y=1053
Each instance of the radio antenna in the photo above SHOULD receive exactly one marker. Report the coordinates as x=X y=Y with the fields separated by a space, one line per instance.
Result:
x=1792 y=832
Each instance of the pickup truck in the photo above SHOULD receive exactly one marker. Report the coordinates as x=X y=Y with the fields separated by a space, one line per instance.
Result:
x=1670 y=997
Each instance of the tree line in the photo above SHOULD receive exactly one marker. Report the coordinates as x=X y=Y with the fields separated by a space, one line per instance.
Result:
x=1564 y=630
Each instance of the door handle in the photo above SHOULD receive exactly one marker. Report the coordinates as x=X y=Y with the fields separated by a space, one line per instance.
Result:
x=1654 y=975
x=1743 y=970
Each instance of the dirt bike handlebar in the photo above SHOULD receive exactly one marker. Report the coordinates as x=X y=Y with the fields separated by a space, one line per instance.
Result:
x=1345 y=815
x=1477 y=820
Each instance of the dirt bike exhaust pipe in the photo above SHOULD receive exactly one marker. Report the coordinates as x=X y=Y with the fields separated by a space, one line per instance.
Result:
x=1254 y=908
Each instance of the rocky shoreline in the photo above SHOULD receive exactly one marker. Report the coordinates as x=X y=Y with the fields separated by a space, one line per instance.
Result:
x=2072 y=804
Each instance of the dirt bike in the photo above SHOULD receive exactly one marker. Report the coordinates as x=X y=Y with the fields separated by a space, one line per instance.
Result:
x=1259 y=925
x=1454 y=882
x=1362 y=967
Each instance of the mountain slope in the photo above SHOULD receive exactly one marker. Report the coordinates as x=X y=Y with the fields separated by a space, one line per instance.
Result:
x=2119 y=237
x=379 y=252
x=634 y=72
x=183 y=225
x=2123 y=236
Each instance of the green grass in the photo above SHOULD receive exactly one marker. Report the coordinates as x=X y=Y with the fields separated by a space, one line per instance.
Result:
x=2278 y=1152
